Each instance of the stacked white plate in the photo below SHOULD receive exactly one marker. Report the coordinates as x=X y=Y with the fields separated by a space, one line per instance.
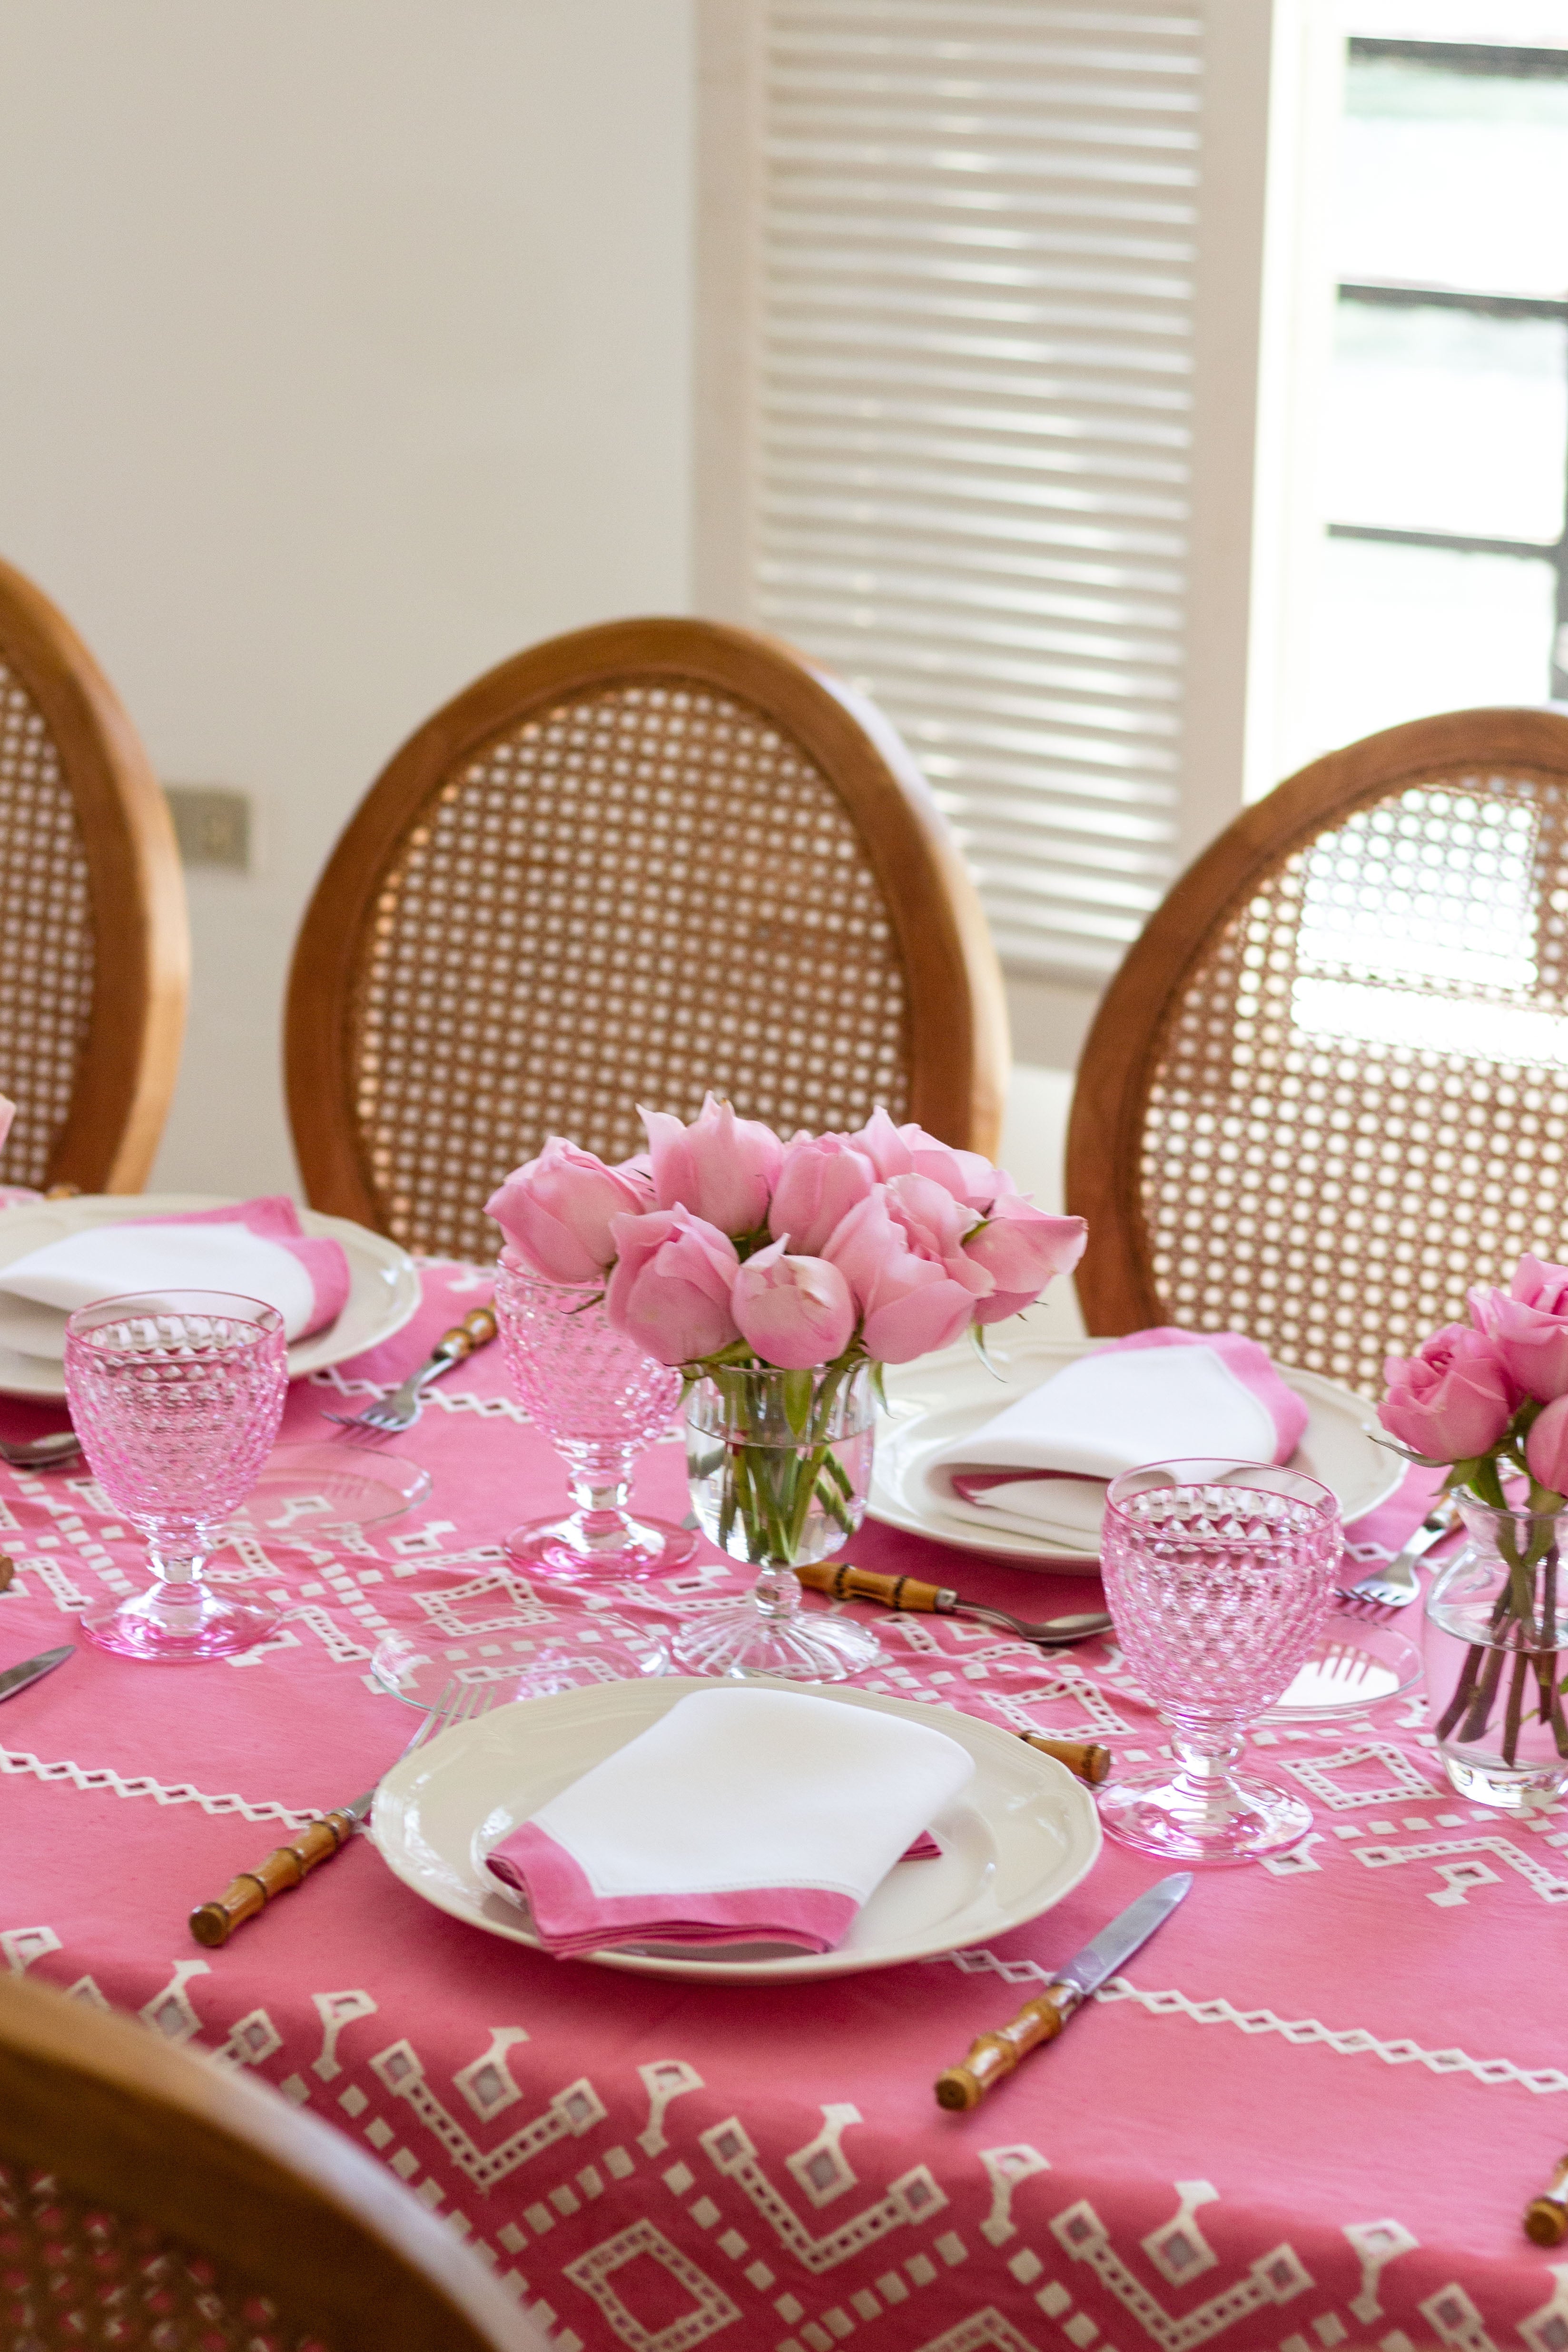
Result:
x=948 y=1395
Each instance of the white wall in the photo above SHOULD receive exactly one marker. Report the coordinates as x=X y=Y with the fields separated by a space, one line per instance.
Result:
x=344 y=349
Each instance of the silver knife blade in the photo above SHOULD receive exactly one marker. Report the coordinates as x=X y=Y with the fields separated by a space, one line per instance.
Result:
x=1088 y=1968
x=17 y=1678
x=359 y=1808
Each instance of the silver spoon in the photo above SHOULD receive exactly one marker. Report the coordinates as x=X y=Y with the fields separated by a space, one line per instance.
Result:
x=43 y=1453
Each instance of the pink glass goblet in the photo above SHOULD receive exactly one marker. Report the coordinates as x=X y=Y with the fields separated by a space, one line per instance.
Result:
x=599 y=1400
x=1217 y=1578
x=176 y=1397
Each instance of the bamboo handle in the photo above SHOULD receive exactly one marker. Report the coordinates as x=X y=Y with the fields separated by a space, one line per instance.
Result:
x=1546 y=2216
x=7 y=1570
x=476 y=1330
x=1085 y=1757
x=286 y=1866
x=993 y=2056
x=847 y=1584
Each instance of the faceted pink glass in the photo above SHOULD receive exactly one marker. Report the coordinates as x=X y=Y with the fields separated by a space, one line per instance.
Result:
x=1217 y=1578
x=176 y=1398
x=599 y=1400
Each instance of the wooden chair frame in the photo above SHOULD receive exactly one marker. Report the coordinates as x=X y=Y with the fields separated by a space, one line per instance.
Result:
x=141 y=935
x=957 y=1015
x=229 y=2170
x=1115 y=1281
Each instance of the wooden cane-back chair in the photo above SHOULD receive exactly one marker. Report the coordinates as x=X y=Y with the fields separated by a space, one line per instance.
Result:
x=1328 y=1090
x=630 y=865
x=151 y=2201
x=94 y=948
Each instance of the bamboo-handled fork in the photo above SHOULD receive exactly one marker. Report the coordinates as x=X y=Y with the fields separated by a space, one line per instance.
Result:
x=1398 y=1585
x=289 y=1866
x=402 y=1409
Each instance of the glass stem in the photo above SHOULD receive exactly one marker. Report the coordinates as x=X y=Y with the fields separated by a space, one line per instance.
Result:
x=777 y=1591
x=1207 y=1754
x=600 y=1480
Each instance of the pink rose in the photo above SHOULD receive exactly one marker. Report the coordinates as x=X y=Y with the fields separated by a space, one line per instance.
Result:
x=1023 y=1249
x=1546 y=1447
x=1450 y=1400
x=669 y=1289
x=797 y=1312
x=909 y=1150
x=556 y=1210
x=912 y=1299
x=639 y=1173
x=721 y=1168
x=1528 y=1325
x=820 y=1178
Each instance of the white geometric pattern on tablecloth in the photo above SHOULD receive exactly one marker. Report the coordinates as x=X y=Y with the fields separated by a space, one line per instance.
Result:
x=251 y=2039
x=100 y=1777
x=822 y=2169
x=667 y=2079
x=984 y=2331
x=1274 y=2278
x=1375 y=2245
x=594 y=2271
x=1007 y=2168
x=1547 y=1884
x=1179 y=2249
x=570 y=2114
x=488 y=2083
x=1070 y=1684
x=496 y=1408
x=1312 y=1772
x=23 y=1945
x=912 y=2198
x=1305 y=2033
x=441 y=1610
x=1546 y=2330
x=1456 y=2320
x=337 y=2009
x=171 y=2011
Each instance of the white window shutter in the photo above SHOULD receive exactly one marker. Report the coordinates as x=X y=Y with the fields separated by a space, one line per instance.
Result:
x=994 y=241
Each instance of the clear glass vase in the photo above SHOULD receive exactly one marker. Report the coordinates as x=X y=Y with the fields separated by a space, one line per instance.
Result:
x=1496 y=1642
x=779 y=1465
x=600 y=1399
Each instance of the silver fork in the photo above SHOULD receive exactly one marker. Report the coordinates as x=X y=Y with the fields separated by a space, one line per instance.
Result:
x=1398 y=1585
x=390 y=1415
x=456 y=1703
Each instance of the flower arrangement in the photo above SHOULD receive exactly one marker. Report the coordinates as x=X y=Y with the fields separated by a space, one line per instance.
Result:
x=781 y=1277
x=1486 y=1401
x=724 y=1247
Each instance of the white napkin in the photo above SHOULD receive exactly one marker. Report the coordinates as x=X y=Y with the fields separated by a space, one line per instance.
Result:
x=257 y=1248
x=740 y=1817
x=1159 y=1396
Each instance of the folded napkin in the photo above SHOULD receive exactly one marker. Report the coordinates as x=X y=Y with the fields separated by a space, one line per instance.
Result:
x=1041 y=1466
x=740 y=1817
x=257 y=1247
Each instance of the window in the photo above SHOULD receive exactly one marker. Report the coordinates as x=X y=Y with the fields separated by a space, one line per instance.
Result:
x=1444 y=581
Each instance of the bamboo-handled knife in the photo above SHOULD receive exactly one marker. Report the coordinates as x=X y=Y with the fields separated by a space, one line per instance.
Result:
x=286 y=1866
x=17 y=1678
x=994 y=2056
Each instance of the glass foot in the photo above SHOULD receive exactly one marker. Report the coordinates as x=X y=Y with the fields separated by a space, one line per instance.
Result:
x=305 y=1491
x=740 y=1638
x=597 y=1544
x=1182 y=1817
x=179 y=1632
x=426 y=1670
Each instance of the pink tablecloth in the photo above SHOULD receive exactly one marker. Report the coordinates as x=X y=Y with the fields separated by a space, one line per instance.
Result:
x=1307 y=2116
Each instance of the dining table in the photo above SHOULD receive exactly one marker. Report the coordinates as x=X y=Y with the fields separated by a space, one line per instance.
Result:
x=1309 y=2113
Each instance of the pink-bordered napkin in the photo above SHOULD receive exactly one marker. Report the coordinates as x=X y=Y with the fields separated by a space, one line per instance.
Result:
x=1041 y=1466
x=258 y=1248
x=740 y=1817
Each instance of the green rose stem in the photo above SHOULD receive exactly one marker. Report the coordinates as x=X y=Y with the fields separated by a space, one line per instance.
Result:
x=1514 y=1613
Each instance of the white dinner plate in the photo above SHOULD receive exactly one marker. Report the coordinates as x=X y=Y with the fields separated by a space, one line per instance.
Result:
x=384 y=1282
x=1019 y=1837
x=946 y=1395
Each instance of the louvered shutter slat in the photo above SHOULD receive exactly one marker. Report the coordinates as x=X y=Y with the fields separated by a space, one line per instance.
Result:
x=973 y=421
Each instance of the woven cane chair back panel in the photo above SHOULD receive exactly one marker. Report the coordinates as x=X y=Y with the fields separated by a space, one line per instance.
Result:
x=73 y=2274
x=46 y=937
x=1360 y=1107
x=642 y=892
